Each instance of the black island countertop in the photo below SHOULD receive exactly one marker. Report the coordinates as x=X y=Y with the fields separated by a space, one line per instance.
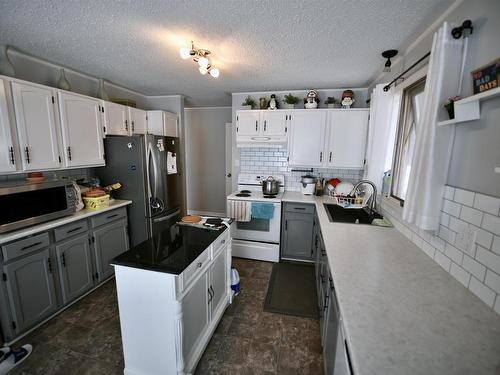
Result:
x=170 y=251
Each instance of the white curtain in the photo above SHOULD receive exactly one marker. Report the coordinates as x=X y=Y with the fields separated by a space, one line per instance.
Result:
x=434 y=143
x=381 y=133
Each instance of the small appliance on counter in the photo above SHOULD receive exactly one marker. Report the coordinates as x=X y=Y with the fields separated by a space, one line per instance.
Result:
x=308 y=184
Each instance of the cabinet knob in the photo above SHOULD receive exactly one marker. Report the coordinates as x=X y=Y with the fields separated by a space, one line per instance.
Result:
x=199 y=264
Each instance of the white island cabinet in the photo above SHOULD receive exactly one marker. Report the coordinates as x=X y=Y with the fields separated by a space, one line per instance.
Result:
x=168 y=318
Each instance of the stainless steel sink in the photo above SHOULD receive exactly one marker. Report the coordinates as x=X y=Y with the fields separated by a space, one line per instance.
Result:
x=339 y=214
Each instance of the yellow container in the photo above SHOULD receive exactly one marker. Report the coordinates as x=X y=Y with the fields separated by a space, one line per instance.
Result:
x=96 y=203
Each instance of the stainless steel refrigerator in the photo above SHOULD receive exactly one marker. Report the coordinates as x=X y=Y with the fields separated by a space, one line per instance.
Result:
x=139 y=163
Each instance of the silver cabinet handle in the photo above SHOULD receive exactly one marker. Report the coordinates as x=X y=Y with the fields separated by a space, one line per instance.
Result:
x=330 y=158
x=69 y=152
x=27 y=153
x=63 y=260
x=321 y=156
x=265 y=125
x=126 y=125
x=133 y=126
x=256 y=125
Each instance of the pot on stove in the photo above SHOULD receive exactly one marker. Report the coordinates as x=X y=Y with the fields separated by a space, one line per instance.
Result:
x=270 y=186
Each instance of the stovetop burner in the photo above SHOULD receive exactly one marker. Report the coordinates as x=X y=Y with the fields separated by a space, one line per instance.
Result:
x=246 y=192
x=269 y=196
x=243 y=195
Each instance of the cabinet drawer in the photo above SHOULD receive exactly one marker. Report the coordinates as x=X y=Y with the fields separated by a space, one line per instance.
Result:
x=220 y=242
x=69 y=230
x=300 y=207
x=192 y=270
x=108 y=217
x=25 y=246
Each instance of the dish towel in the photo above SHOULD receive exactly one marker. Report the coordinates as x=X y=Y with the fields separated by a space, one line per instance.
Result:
x=239 y=210
x=171 y=163
x=262 y=210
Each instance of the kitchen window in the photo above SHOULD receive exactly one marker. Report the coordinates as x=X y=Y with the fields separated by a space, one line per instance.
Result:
x=411 y=105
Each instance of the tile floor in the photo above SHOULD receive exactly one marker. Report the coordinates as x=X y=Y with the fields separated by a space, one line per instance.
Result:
x=85 y=339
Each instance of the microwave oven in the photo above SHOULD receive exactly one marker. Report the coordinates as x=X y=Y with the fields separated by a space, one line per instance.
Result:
x=23 y=204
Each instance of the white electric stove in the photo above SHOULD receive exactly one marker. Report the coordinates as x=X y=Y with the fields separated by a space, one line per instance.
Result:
x=258 y=238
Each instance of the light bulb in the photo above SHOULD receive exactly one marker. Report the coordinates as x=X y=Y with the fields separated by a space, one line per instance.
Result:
x=185 y=53
x=203 y=70
x=203 y=62
x=214 y=72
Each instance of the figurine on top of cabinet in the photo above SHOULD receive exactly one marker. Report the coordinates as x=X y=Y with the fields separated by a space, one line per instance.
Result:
x=347 y=99
x=311 y=100
x=273 y=103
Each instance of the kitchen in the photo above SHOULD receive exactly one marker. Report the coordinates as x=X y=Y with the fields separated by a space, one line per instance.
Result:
x=306 y=204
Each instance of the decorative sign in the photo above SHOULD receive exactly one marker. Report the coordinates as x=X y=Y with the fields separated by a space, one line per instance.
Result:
x=486 y=77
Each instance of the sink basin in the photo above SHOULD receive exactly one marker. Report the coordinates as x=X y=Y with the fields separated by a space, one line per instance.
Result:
x=339 y=214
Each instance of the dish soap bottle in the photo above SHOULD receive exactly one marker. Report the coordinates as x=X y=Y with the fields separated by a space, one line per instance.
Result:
x=319 y=186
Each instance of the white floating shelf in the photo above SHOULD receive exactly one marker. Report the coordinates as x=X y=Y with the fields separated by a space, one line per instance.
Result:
x=468 y=109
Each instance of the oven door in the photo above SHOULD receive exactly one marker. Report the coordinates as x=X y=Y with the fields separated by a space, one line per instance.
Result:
x=260 y=230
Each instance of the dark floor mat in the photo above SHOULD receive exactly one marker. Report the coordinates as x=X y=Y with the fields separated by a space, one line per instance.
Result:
x=292 y=290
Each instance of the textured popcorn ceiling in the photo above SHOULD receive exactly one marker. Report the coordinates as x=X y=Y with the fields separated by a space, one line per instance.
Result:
x=258 y=45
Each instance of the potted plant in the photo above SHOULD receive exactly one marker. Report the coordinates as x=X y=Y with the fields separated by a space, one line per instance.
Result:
x=249 y=103
x=331 y=102
x=449 y=105
x=290 y=101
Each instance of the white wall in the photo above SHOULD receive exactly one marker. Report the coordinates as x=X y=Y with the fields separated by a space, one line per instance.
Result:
x=206 y=159
x=476 y=150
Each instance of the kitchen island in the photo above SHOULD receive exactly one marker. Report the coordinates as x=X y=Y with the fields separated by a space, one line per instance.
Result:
x=400 y=312
x=172 y=291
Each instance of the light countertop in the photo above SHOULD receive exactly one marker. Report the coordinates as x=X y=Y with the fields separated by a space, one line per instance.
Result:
x=402 y=313
x=82 y=214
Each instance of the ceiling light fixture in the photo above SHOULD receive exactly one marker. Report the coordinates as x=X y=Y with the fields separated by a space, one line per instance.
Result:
x=200 y=56
x=389 y=54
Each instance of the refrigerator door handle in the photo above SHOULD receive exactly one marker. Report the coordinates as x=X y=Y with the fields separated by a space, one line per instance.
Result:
x=151 y=171
x=167 y=217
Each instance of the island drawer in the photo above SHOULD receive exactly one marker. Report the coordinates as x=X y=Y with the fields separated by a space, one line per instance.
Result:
x=108 y=217
x=194 y=268
x=25 y=246
x=220 y=242
x=300 y=207
x=70 y=230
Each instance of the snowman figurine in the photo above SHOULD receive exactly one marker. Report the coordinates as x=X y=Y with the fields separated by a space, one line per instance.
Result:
x=273 y=104
x=347 y=99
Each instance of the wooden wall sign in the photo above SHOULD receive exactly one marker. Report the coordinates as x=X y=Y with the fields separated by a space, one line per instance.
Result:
x=486 y=77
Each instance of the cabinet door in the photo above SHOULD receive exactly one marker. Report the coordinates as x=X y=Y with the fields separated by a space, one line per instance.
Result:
x=347 y=138
x=7 y=147
x=297 y=236
x=81 y=130
x=138 y=122
x=155 y=123
x=36 y=125
x=116 y=116
x=170 y=124
x=109 y=241
x=306 y=140
x=195 y=316
x=332 y=317
x=30 y=287
x=218 y=280
x=275 y=123
x=247 y=123
x=75 y=267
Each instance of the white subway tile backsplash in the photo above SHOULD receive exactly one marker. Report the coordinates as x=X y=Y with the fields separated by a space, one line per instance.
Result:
x=491 y=223
x=442 y=260
x=487 y=204
x=457 y=225
x=447 y=235
x=428 y=249
x=464 y=197
x=475 y=268
x=451 y=208
x=460 y=274
x=497 y=305
x=453 y=253
x=471 y=215
x=483 y=237
x=489 y=259
x=438 y=243
x=495 y=247
x=493 y=281
x=482 y=291
x=445 y=219
x=449 y=192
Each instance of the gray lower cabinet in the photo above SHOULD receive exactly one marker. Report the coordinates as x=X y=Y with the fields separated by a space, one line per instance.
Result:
x=110 y=240
x=30 y=289
x=75 y=267
x=297 y=234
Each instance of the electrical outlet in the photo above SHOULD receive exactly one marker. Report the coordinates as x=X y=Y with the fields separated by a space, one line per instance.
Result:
x=466 y=239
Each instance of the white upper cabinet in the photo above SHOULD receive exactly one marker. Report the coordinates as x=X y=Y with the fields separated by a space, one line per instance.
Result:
x=81 y=130
x=347 y=138
x=116 y=119
x=274 y=123
x=247 y=123
x=138 y=121
x=36 y=126
x=307 y=135
x=8 y=146
x=162 y=123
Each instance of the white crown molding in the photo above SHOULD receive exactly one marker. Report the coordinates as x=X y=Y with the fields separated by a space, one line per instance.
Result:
x=199 y=108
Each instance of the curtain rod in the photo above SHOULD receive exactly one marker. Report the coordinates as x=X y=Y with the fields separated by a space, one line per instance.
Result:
x=388 y=86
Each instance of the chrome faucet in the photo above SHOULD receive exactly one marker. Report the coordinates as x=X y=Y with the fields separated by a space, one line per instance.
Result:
x=373 y=198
